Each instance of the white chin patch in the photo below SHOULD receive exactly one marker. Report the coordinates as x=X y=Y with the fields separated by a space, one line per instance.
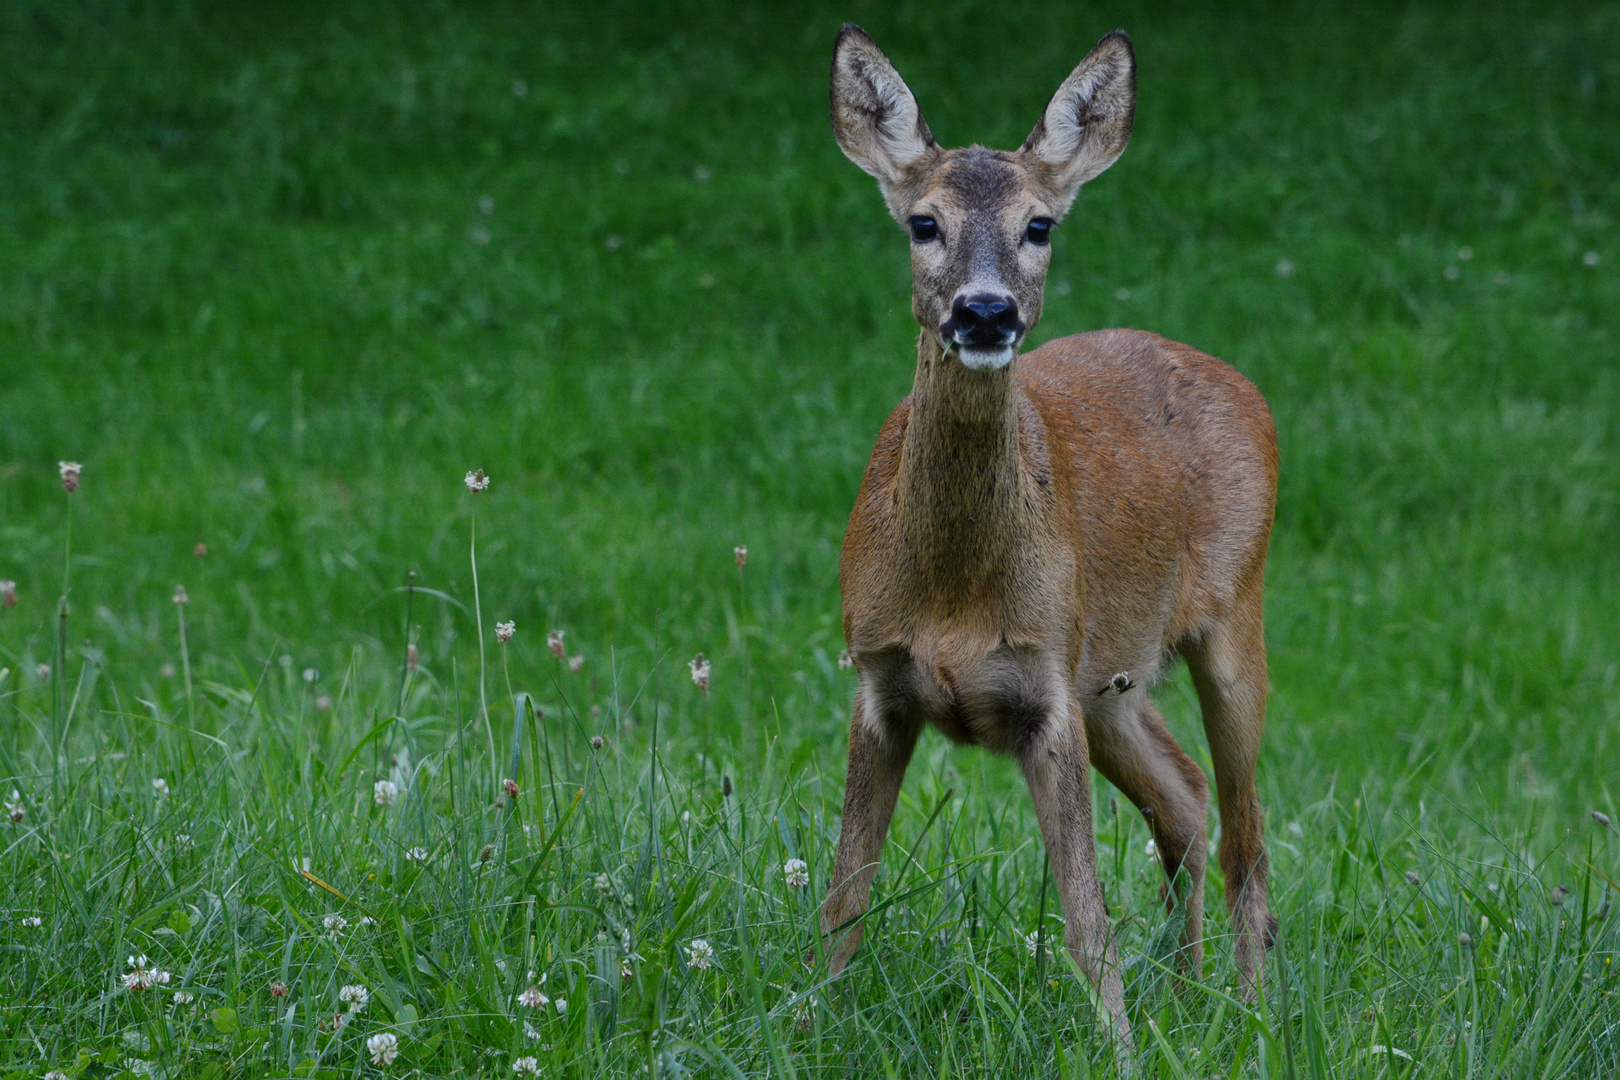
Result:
x=986 y=359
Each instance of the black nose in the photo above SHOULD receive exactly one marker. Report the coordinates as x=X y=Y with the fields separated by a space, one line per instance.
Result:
x=984 y=319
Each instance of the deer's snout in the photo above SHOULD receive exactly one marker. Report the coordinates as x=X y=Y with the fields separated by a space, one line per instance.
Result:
x=983 y=320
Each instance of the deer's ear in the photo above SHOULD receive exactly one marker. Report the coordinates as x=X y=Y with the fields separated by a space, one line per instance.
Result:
x=874 y=114
x=1088 y=121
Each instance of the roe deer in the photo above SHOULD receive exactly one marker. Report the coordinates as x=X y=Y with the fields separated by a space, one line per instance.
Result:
x=1037 y=536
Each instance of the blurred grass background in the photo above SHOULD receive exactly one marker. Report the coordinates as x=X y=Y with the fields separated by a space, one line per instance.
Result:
x=279 y=274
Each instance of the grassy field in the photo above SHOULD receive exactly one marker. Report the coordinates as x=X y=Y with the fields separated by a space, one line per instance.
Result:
x=280 y=275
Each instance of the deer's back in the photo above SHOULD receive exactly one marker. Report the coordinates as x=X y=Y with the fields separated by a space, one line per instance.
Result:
x=1172 y=459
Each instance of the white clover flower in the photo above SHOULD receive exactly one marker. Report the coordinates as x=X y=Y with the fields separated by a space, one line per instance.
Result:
x=384 y=792
x=603 y=884
x=16 y=809
x=505 y=630
x=533 y=998
x=530 y=1032
x=56 y=1074
x=335 y=925
x=845 y=660
x=526 y=1066
x=700 y=672
x=576 y=663
x=70 y=474
x=796 y=872
x=182 y=997
x=354 y=996
x=339 y=1020
x=1033 y=942
x=740 y=553
x=310 y=674
x=416 y=854
x=1150 y=849
x=554 y=641
x=384 y=1048
x=476 y=481
x=699 y=955
x=142 y=977
x=33 y=922
x=160 y=787
x=367 y=922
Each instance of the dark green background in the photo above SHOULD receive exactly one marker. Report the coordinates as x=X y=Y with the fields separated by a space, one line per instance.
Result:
x=246 y=278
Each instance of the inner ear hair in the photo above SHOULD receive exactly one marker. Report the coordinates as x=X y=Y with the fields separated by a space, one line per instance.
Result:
x=874 y=114
x=1087 y=124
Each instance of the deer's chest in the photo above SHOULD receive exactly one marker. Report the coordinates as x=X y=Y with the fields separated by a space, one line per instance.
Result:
x=994 y=694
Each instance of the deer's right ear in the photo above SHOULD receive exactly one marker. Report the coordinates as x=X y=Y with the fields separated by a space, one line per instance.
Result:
x=874 y=114
x=1088 y=121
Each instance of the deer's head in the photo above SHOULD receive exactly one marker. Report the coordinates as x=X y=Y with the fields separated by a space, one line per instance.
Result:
x=980 y=220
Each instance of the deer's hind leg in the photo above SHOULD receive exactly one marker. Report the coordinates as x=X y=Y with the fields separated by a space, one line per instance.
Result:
x=1133 y=748
x=1228 y=666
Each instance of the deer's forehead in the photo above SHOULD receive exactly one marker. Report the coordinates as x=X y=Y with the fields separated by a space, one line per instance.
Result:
x=982 y=182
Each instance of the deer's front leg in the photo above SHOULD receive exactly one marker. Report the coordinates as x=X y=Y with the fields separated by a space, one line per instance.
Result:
x=879 y=749
x=1057 y=767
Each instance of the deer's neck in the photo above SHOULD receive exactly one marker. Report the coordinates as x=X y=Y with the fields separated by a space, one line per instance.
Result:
x=959 y=489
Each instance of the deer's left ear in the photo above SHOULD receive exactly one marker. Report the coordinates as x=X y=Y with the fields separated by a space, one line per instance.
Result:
x=1088 y=121
x=874 y=115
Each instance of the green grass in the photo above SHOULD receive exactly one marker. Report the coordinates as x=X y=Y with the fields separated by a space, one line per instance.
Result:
x=279 y=275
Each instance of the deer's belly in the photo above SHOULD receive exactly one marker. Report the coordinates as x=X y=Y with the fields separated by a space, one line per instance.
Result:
x=997 y=697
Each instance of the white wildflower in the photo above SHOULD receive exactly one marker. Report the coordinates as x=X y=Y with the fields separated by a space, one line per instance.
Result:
x=700 y=671
x=384 y=792
x=335 y=925
x=182 y=997
x=416 y=854
x=531 y=1032
x=16 y=809
x=142 y=976
x=554 y=641
x=384 y=1048
x=160 y=787
x=477 y=481
x=33 y=922
x=533 y=998
x=526 y=1066
x=740 y=553
x=1034 y=942
x=1151 y=849
x=699 y=955
x=354 y=996
x=70 y=474
x=505 y=630
x=576 y=663
x=796 y=872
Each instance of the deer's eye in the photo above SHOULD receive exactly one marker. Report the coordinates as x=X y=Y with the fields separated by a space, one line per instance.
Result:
x=1039 y=231
x=924 y=229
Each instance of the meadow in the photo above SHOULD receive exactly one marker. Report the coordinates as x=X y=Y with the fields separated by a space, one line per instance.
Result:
x=280 y=275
